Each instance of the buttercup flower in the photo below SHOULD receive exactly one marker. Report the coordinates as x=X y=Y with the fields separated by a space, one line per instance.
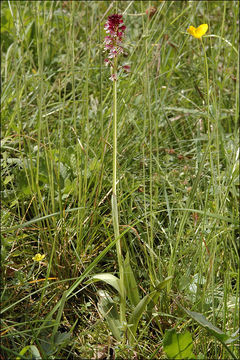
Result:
x=199 y=31
x=38 y=257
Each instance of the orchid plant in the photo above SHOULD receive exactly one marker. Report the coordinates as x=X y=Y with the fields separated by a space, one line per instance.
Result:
x=125 y=284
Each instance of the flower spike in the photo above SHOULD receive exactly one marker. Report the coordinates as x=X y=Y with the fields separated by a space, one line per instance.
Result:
x=115 y=29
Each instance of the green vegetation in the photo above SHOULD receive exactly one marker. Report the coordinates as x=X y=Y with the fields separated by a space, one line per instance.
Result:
x=177 y=182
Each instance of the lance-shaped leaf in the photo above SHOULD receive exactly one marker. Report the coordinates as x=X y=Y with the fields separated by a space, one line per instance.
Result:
x=213 y=330
x=200 y=319
x=107 y=278
x=130 y=283
x=161 y=285
x=234 y=337
x=108 y=310
x=136 y=316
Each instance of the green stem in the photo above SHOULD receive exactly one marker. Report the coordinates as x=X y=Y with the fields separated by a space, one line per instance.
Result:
x=114 y=201
x=207 y=83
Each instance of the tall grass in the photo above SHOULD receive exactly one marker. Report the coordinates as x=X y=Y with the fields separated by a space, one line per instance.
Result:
x=176 y=164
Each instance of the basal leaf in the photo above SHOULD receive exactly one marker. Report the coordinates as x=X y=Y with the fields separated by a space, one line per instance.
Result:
x=136 y=315
x=107 y=278
x=130 y=283
x=200 y=319
x=178 y=346
x=61 y=337
x=108 y=309
x=161 y=285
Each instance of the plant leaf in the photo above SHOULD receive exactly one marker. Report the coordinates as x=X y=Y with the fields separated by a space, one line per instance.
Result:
x=234 y=337
x=161 y=285
x=178 y=346
x=61 y=337
x=33 y=349
x=59 y=314
x=130 y=282
x=107 y=278
x=108 y=309
x=136 y=315
x=200 y=319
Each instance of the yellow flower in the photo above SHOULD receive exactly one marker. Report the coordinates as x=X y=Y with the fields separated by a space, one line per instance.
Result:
x=38 y=257
x=199 y=31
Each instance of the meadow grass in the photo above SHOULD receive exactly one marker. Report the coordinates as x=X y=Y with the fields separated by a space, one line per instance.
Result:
x=177 y=173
